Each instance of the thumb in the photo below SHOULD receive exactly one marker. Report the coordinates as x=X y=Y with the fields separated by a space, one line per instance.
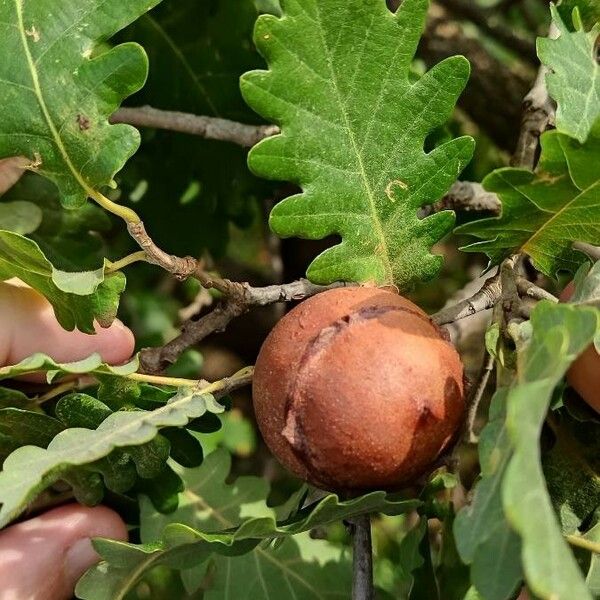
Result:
x=43 y=558
x=28 y=325
x=11 y=170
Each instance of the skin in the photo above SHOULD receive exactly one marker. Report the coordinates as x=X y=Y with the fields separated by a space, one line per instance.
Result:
x=42 y=558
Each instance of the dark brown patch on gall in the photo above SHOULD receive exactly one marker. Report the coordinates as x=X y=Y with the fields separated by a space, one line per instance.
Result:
x=357 y=389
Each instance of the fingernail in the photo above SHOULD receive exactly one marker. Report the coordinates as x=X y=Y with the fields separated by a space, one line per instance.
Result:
x=79 y=557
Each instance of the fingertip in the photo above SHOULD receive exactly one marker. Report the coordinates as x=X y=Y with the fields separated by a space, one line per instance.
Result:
x=59 y=544
x=97 y=522
x=116 y=343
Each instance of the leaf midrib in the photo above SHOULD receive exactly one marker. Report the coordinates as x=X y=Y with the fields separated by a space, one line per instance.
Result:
x=42 y=102
x=379 y=230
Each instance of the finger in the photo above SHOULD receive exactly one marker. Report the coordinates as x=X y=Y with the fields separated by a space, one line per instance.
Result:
x=43 y=558
x=28 y=325
x=11 y=170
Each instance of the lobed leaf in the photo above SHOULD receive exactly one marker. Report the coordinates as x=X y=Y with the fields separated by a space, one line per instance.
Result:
x=545 y=212
x=484 y=538
x=92 y=365
x=574 y=78
x=560 y=334
x=57 y=91
x=29 y=469
x=354 y=124
x=78 y=299
x=217 y=518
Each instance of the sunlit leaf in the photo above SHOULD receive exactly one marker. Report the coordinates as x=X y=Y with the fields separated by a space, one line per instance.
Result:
x=353 y=126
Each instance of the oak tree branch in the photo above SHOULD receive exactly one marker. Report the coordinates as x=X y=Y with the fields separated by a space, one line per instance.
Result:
x=483 y=299
x=466 y=196
x=239 y=298
x=211 y=128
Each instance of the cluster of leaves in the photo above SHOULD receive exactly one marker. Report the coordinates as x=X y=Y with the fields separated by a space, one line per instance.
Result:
x=512 y=510
x=527 y=500
x=233 y=545
x=90 y=442
x=355 y=121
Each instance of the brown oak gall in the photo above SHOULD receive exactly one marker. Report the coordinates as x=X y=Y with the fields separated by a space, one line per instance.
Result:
x=357 y=389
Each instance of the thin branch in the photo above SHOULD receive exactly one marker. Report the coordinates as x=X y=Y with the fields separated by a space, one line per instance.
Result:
x=130 y=259
x=530 y=290
x=362 y=561
x=581 y=542
x=482 y=300
x=239 y=298
x=466 y=9
x=538 y=114
x=592 y=251
x=466 y=196
x=471 y=435
x=211 y=128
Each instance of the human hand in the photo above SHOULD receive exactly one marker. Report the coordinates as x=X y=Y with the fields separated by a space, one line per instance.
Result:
x=42 y=559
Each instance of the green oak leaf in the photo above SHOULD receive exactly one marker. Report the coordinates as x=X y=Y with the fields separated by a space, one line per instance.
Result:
x=92 y=365
x=20 y=217
x=20 y=427
x=57 y=92
x=560 y=334
x=29 y=470
x=574 y=78
x=587 y=286
x=77 y=298
x=593 y=575
x=219 y=520
x=572 y=470
x=483 y=536
x=545 y=212
x=10 y=398
x=354 y=124
x=299 y=567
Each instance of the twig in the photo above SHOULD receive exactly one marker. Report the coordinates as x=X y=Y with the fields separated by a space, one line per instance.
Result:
x=530 y=290
x=581 y=542
x=484 y=299
x=57 y=390
x=592 y=251
x=181 y=268
x=239 y=298
x=211 y=128
x=130 y=259
x=465 y=196
x=362 y=560
x=470 y=435
x=538 y=114
x=486 y=22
